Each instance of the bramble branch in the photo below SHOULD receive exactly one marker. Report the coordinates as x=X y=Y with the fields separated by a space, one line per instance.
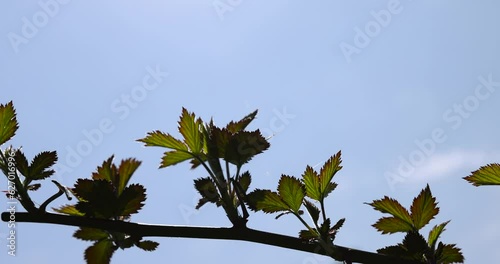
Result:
x=242 y=234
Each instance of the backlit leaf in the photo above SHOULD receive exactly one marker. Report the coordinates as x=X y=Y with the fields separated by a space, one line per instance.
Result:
x=245 y=180
x=329 y=169
x=206 y=188
x=132 y=199
x=267 y=201
x=389 y=225
x=311 y=181
x=22 y=163
x=292 y=192
x=449 y=253
x=435 y=233
x=147 y=245
x=486 y=175
x=40 y=164
x=69 y=210
x=160 y=139
x=174 y=157
x=234 y=127
x=190 y=127
x=308 y=235
x=415 y=244
x=243 y=146
x=100 y=252
x=423 y=208
x=90 y=234
x=125 y=170
x=390 y=206
x=8 y=122
x=313 y=210
x=107 y=171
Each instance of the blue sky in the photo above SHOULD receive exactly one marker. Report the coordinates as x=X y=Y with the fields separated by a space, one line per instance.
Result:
x=408 y=90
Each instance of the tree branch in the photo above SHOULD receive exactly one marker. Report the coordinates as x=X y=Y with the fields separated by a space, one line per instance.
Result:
x=243 y=234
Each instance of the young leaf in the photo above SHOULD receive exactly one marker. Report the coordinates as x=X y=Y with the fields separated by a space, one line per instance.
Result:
x=313 y=210
x=208 y=191
x=190 y=127
x=292 y=192
x=125 y=170
x=100 y=252
x=423 y=208
x=449 y=253
x=390 y=225
x=396 y=251
x=390 y=206
x=22 y=163
x=435 y=233
x=245 y=180
x=243 y=146
x=40 y=164
x=235 y=127
x=8 y=122
x=311 y=181
x=90 y=234
x=174 y=157
x=415 y=244
x=267 y=201
x=147 y=245
x=329 y=169
x=131 y=200
x=160 y=139
x=69 y=210
x=486 y=175
x=308 y=235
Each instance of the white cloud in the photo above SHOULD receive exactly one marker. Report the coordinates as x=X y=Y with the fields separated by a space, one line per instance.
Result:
x=455 y=163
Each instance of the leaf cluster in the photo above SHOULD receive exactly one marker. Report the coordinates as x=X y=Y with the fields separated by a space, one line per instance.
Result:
x=415 y=246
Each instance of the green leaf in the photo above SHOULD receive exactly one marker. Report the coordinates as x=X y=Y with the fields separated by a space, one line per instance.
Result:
x=339 y=224
x=69 y=210
x=235 y=127
x=99 y=199
x=160 y=139
x=396 y=251
x=390 y=206
x=208 y=191
x=8 y=122
x=174 y=157
x=245 y=180
x=311 y=181
x=131 y=200
x=329 y=169
x=107 y=171
x=40 y=164
x=100 y=252
x=313 y=210
x=190 y=128
x=90 y=234
x=486 y=175
x=390 y=225
x=415 y=244
x=243 y=146
x=267 y=201
x=435 y=233
x=147 y=245
x=125 y=170
x=22 y=163
x=292 y=192
x=423 y=208
x=449 y=253
x=308 y=235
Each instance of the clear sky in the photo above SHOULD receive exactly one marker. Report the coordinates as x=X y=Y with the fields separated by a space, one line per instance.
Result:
x=408 y=90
